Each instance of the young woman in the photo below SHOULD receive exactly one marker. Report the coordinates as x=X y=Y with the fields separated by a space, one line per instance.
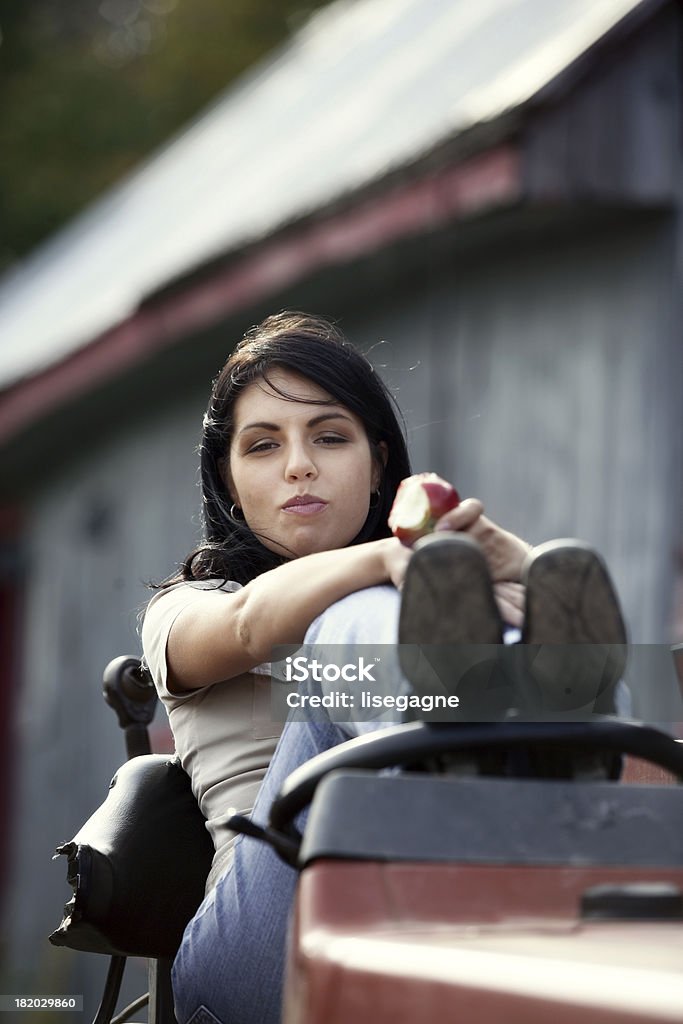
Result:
x=301 y=456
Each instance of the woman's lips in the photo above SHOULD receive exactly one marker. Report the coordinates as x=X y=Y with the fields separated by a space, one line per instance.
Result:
x=305 y=506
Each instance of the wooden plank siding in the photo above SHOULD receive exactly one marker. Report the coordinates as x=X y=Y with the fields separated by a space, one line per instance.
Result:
x=109 y=524
x=545 y=381
x=617 y=135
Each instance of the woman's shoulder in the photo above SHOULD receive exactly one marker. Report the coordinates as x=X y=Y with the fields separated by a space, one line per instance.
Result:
x=172 y=599
x=214 y=583
x=186 y=588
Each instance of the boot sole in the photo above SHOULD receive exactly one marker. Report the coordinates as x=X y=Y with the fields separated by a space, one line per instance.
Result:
x=570 y=601
x=447 y=595
x=448 y=620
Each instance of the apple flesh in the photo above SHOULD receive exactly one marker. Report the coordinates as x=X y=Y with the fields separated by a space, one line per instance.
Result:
x=420 y=501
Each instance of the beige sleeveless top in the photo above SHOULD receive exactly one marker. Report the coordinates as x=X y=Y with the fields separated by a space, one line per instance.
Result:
x=223 y=733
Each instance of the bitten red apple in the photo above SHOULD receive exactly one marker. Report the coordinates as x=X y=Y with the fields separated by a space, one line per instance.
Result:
x=420 y=500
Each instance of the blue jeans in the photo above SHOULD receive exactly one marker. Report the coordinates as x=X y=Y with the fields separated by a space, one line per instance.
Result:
x=229 y=967
x=230 y=964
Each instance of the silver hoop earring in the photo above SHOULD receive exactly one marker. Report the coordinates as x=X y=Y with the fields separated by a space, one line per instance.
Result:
x=234 y=509
x=376 y=495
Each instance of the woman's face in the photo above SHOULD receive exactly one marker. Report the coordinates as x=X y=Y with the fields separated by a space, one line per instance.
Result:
x=302 y=473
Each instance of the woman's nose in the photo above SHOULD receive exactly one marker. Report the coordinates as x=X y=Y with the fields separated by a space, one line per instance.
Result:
x=300 y=465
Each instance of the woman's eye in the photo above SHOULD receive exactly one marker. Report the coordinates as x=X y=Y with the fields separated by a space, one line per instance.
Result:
x=324 y=439
x=332 y=439
x=262 y=446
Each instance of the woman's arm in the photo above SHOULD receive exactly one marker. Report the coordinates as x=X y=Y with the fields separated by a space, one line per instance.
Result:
x=212 y=639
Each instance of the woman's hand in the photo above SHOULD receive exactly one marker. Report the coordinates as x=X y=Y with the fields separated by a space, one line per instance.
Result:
x=510 y=598
x=505 y=553
x=396 y=558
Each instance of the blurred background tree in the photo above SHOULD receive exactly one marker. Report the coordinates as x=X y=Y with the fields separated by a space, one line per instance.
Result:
x=89 y=87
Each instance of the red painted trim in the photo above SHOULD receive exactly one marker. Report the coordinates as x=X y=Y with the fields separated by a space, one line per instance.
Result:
x=482 y=182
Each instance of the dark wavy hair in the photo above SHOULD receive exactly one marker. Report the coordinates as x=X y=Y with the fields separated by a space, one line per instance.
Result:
x=314 y=348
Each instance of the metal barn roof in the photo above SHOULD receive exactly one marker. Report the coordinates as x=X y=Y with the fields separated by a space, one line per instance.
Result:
x=364 y=87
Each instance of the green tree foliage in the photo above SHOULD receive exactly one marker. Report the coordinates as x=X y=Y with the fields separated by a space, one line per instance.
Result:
x=89 y=88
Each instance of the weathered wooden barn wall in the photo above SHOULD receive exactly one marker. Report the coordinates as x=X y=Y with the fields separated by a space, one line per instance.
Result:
x=545 y=381
x=616 y=134
x=547 y=386
x=110 y=523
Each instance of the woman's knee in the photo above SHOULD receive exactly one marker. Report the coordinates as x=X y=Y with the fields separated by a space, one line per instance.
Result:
x=363 y=617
